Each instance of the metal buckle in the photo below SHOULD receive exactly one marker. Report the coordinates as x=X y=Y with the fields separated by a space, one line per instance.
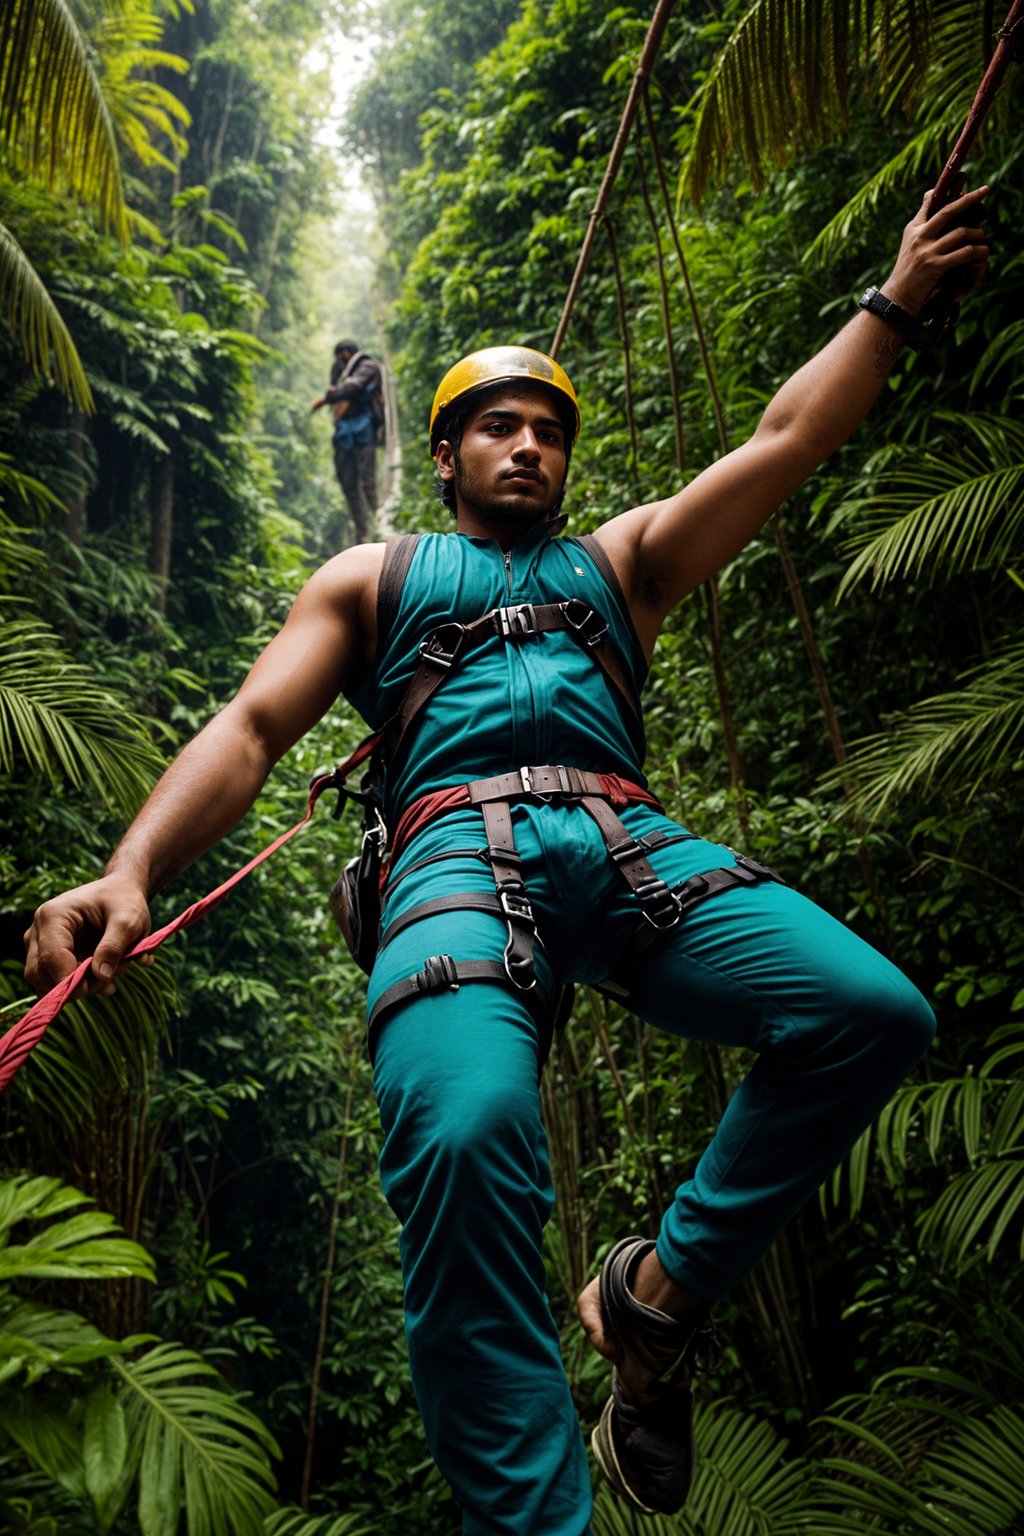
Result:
x=516 y=906
x=438 y=973
x=434 y=649
x=564 y=790
x=581 y=617
x=659 y=905
x=513 y=623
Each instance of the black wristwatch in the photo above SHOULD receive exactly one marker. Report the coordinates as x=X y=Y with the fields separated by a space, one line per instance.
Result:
x=874 y=300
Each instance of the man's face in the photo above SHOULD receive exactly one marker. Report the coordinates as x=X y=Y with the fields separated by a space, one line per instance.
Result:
x=510 y=467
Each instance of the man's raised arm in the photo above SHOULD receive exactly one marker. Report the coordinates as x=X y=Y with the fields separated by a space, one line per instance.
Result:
x=667 y=548
x=213 y=782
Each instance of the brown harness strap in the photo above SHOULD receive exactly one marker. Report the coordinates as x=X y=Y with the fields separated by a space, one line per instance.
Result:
x=449 y=644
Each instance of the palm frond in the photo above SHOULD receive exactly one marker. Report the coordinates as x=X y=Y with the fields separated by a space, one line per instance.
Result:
x=919 y=157
x=293 y=1522
x=781 y=78
x=46 y=1437
x=35 y=1340
x=79 y=1248
x=904 y=1464
x=53 y=115
x=37 y=323
x=962 y=740
x=96 y=1045
x=962 y=511
x=1004 y=351
x=991 y=1196
x=57 y=721
x=30 y=492
x=742 y=1484
x=196 y=1445
x=127 y=42
x=985 y=1108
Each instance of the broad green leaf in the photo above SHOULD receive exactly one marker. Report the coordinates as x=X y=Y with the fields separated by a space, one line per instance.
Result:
x=104 y=1451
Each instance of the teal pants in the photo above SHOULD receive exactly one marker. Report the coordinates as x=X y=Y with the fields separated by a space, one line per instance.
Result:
x=834 y=1028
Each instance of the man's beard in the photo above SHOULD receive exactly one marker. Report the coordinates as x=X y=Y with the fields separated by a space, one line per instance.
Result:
x=518 y=511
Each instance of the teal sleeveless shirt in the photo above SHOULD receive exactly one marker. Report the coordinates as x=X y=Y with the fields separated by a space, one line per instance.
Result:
x=539 y=699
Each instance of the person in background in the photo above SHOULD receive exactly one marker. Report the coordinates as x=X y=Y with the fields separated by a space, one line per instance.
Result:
x=354 y=394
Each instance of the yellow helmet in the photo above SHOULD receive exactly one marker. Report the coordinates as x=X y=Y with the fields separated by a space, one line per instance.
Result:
x=498 y=365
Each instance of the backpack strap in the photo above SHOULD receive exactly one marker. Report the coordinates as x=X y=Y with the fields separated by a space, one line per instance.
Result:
x=398 y=555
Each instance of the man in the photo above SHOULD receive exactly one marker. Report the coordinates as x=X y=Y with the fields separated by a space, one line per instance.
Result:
x=509 y=880
x=353 y=394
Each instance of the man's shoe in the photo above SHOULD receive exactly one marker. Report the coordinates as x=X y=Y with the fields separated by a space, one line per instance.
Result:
x=644 y=1446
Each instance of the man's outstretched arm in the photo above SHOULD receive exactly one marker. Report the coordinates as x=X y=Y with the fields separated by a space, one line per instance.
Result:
x=667 y=548
x=213 y=782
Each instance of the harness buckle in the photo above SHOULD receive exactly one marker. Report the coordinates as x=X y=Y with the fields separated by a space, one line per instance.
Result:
x=438 y=973
x=752 y=869
x=624 y=851
x=691 y=891
x=586 y=621
x=515 y=904
x=519 y=969
x=515 y=622
x=567 y=788
x=441 y=649
x=659 y=905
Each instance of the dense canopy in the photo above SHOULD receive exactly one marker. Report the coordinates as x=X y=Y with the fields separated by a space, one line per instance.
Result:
x=215 y=1342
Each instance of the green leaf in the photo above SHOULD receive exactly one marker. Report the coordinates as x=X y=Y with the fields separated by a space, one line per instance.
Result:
x=221 y=1448
x=104 y=1452
x=49 y=1440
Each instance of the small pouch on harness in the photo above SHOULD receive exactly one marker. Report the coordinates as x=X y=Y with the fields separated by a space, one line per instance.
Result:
x=355 y=897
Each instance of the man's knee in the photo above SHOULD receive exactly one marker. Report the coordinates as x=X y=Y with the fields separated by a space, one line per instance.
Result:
x=887 y=1018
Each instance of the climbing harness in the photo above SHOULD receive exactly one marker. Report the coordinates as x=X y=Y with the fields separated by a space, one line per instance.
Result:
x=357 y=896
x=356 y=899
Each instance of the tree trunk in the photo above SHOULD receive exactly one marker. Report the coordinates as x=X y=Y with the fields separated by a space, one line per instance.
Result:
x=161 y=525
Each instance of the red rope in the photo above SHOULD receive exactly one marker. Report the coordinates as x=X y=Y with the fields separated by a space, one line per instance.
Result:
x=25 y=1035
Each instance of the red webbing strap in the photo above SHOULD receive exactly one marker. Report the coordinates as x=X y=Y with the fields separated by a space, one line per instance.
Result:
x=428 y=807
x=26 y=1034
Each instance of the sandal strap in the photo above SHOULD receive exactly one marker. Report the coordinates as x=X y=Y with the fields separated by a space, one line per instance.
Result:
x=660 y=1343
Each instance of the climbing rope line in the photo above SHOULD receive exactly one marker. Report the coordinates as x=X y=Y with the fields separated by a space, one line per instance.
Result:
x=652 y=43
x=21 y=1038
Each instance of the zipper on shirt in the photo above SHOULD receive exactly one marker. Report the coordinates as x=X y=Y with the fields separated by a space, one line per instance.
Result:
x=508 y=569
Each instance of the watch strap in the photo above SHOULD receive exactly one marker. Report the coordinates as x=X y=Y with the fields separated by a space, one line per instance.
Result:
x=876 y=303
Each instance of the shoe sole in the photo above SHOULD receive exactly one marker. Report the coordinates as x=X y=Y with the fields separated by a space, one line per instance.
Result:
x=603 y=1445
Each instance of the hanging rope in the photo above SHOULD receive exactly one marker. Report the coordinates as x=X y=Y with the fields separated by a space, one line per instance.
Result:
x=1010 y=48
x=20 y=1039
x=652 y=43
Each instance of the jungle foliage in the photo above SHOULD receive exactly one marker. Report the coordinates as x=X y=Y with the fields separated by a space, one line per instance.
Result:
x=200 y=1323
